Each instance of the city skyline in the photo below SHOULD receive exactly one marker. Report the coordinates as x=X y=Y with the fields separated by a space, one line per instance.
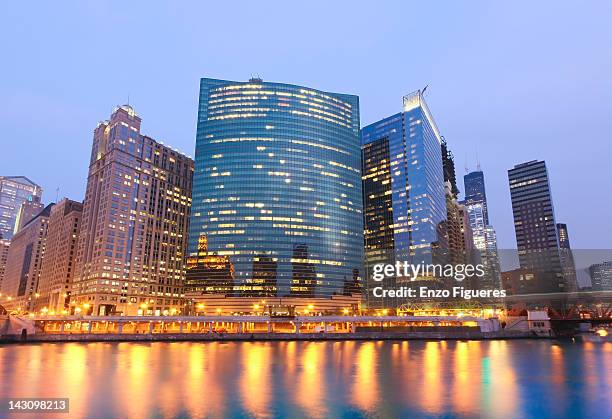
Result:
x=317 y=209
x=542 y=82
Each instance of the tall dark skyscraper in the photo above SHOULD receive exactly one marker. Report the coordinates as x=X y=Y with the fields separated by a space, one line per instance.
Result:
x=485 y=239
x=534 y=223
x=403 y=181
x=277 y=189
x=474 y=185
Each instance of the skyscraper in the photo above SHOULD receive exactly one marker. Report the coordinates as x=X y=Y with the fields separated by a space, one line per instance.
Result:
x=403 y=181
x=534 y=224
x=475 y=192
x=567 y=258
x=55 y=283
x=130 y=256
x=24 y=261
x=485 y=239
x=277 y=188
x=14 y=191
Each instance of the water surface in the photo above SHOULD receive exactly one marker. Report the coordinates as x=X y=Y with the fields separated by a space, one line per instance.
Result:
x=522 y=378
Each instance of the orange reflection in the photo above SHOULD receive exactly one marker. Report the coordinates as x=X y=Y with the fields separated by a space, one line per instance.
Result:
x=467 y=375
x=365 y=390
x=310 y=384
x=431 y=393
x=255 y=378
x=502 y=380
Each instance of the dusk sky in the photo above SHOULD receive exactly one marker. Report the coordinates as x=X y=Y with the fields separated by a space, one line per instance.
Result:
x=508 y=82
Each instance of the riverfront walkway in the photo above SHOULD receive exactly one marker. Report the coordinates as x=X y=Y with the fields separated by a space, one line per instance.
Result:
x=93 y=328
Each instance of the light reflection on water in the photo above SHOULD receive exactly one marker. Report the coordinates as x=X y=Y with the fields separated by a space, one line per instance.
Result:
x=315 y=379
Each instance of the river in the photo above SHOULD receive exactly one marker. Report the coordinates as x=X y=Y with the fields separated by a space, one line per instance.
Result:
x=519 y=378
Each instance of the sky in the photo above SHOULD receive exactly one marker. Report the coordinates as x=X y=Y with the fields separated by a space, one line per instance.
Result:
x=508 y=82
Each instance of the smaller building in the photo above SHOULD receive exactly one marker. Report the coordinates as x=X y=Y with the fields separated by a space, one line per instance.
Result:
x=601 y=276
x=4 y=248
x=520 y=281
x=567 y=258
x=208 y=272
x=14 y=191
x=54 y=286
x=23 y=264
x=216 y=304
x=28 y=210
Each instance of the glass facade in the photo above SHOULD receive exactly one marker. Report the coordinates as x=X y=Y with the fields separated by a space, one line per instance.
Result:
x=402 y=160
x=14 y=191
x=404 y=195
x=277 y=190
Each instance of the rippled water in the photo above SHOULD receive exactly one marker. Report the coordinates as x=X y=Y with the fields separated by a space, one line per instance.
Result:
x=315 y=379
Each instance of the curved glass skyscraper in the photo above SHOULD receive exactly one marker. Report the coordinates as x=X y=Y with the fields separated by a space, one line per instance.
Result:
x=277 y=191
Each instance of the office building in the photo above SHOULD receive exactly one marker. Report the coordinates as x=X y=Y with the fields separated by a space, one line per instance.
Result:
x=23 y=264
x=404 y=190
x=55 y=283
x=130 y=257
x=601 y=276
x=14 y=191
x=277 y=189
x=567 y=258
x=534 y=224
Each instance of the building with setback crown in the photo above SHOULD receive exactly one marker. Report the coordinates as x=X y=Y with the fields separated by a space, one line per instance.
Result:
x=404 y=190
x=130 y=257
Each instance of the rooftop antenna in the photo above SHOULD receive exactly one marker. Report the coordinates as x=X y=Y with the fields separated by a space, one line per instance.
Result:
x=477 y=162
x=467 y=170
